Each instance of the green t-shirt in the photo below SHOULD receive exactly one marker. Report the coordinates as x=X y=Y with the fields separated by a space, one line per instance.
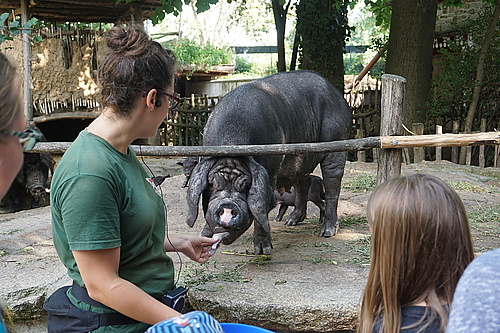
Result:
x=103 y=199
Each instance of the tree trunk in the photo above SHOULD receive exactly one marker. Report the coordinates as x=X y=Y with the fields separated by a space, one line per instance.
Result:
x=322 y=26
x=479 y=76
x=280 y=22
x=409 y=53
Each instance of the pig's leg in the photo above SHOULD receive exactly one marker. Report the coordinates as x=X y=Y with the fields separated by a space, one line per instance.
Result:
x=261 y=240
x=332 y=168
x=207 y=232
x=281 y=212
x=322 y=207
x=300 y=210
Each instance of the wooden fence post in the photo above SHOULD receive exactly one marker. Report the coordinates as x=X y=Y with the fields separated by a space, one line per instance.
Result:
x=468 y=154
x=496 y=157
x=439 y=156
x=455 y=151
x=392 y=109
x=418 y=153
x=482 y=161
x=361 y=154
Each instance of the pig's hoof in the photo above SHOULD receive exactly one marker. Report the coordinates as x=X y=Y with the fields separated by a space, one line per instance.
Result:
x=262 y=249
x=328 y=231
x=291 y=222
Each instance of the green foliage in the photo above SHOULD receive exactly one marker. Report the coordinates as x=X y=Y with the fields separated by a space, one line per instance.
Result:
x=8 y=30
x=353 y=64
x=351 y=221
x=360 y=183
x=452 y=88
x=201 y=274
x=360 y=251
x=488 y=214
x=243 y=65
x=323 y=29
x=381 y=9
x=189 y=52
x=175 y=7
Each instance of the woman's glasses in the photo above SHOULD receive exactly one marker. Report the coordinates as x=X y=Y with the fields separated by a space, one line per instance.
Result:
x=27 y=138
x=174 y=101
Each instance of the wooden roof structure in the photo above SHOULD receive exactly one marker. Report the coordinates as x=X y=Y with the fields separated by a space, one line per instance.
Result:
x=89 y=11
x=61 y=11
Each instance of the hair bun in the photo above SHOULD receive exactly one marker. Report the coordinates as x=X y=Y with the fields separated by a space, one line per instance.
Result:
x=129 y=41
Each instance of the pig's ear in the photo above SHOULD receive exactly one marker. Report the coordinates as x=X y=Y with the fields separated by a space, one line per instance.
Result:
x=261 y=198
x=198 y=182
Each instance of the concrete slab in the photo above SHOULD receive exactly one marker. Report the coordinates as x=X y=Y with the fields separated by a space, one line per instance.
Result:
x=289 y=291
x=308 y=284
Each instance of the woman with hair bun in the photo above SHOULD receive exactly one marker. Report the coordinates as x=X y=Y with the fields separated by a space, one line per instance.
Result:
x=108 y=217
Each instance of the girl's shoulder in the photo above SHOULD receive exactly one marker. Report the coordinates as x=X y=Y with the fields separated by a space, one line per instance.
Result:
x=415 y=317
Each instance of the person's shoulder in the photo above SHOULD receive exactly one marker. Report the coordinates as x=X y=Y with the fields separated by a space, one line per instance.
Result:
x=484 y=268
x=488 y=258
x=484 y=263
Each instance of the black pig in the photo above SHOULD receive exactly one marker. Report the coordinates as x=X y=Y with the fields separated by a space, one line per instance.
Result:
x=316 y=194
x=30 y=187
x=187 y=167
x=289 y=107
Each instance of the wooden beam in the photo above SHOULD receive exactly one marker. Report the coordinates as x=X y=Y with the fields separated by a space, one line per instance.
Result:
x=441 y=140
x=391 y=142
x=28 y=92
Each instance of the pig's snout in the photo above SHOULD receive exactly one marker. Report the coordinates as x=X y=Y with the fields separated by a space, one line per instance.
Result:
x=227 y=215
x=37 y=190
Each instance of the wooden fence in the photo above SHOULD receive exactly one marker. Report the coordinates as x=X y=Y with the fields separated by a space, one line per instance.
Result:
x=184 y=127
x=390 y=144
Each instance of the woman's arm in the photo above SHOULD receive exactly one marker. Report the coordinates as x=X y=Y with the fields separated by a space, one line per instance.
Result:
x=195 y=248
x=99 y=271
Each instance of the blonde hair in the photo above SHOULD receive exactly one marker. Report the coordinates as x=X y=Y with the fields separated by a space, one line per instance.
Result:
x=420 y=246
x=10 y=103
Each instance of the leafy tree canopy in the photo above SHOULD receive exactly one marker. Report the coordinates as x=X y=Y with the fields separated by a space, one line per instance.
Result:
x=175 y=7
x=10 y=29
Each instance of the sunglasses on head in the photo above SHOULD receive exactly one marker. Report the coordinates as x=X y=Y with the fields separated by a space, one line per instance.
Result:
x=27 y=138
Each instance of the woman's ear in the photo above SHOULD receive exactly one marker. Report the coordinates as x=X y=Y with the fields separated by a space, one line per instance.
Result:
x=152 y=99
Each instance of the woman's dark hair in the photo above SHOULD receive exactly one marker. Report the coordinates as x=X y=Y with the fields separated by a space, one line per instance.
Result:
x=135 y=64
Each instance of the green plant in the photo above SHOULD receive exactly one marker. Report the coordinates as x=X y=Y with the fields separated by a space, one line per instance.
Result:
x=352 y=220
x=485 y=215
x=322 y=28
x=466 y=186
x=10 y=29
x=360 y=250
x=189 y=52
x=243 y=65
x=203 y=273
x=452 y=88
x=360 y=183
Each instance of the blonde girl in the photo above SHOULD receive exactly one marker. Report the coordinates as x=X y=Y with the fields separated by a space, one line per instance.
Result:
x=421 y=244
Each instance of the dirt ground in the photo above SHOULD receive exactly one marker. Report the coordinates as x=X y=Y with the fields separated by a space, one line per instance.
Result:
x=479 y=189
x=302 y=266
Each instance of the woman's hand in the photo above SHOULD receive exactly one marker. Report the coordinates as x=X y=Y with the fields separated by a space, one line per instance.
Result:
x=196 y=248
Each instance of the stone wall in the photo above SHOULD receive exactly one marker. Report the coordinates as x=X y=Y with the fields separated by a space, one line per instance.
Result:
x=451 y=17
x=64 y=71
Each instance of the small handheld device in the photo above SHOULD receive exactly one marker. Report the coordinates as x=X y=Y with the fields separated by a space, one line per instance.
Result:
x=176 y=298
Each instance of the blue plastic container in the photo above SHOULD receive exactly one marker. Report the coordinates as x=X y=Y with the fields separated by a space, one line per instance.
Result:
x=242 y=328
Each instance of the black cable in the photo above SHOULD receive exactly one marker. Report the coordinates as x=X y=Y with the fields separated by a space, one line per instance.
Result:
x=166 y=222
